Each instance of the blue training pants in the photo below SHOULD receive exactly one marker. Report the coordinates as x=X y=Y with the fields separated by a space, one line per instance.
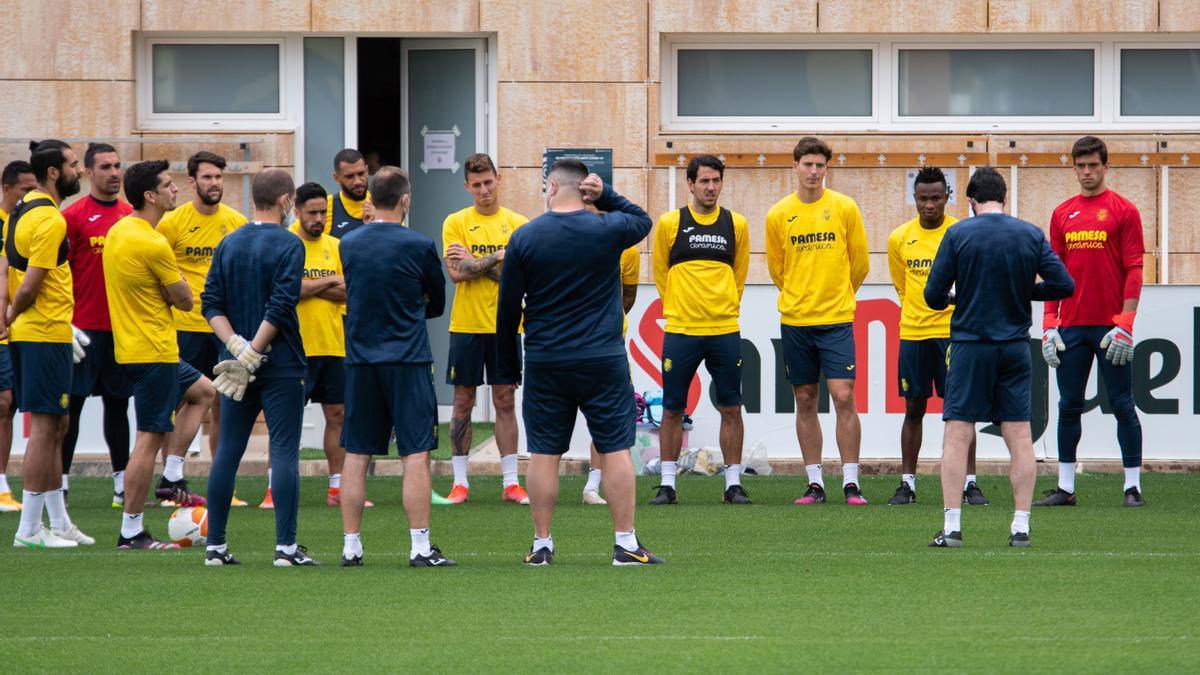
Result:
x=1083 y=347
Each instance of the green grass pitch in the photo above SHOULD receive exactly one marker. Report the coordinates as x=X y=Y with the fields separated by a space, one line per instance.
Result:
x=771 y=587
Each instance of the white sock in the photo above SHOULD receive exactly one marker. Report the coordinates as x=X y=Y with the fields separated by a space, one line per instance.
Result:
x=910 y=479
x=459 y=462
x=540 y=543
x=66 y=479
x=32 y=505
x=1020 y=523
x=969 y=479
x=131 y=524
x=508 y=467
x=119 y=482
x=668 y=474
x=814 y=474
x=593 y=481
x=288 y=549
x=1133 y=477
x=56 y=508
x=628 y=540
x=219 y=548
x=335 y=481
x=351 y=545
x=173 y=468
x=268 y=478
x=1066 y=476
x=4 y=483
x=849 y=474
x=733 y=475
x=952 y=521
x=420 y=542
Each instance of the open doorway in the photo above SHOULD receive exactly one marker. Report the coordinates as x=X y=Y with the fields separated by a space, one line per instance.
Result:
x=379 y=96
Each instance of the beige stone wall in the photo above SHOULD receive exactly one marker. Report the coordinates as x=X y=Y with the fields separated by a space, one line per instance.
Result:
x=586 y=73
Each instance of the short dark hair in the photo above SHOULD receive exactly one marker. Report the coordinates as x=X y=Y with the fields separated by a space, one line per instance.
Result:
x=693 y=168
x=987 y=185
x=93 y=149
x=13 y=171
x=347 y=156
x=44 y=159
x=569 y=169
x=269 y=185
x=309 y=191
x=1090 y=145
x=388 y=187
x=480 y=162
x=142 y=178
x=204 y=157
x=930 y=175
x=811 y=145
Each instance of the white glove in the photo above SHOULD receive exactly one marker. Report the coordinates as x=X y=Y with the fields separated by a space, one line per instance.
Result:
x=79 y=340
x=246 y=354
x=1119 y=343
x=231 y=379
x=1052 y=344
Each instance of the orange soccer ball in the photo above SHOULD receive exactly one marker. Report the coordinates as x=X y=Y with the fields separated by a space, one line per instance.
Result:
x=188 y=526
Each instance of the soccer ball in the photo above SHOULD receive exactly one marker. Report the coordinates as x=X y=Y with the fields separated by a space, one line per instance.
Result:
x=188 y=526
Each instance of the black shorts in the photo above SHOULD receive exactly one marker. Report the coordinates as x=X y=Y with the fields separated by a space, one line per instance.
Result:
x=988 y=382
x=42 y=376
x=199 y=350
x=922 y=367
x=600 y=389
x=98 y=373
x=326 y=380
x=157 y=390
x=383 y=397
x=809 y=351
x=471 y=356
x=6 y=369
x=722 y=356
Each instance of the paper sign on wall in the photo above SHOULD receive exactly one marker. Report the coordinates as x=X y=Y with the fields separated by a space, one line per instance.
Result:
x=911 y=175
x=440 y=148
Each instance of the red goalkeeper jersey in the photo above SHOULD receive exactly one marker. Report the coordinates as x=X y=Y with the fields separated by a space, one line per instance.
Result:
x=1100 y=241
x=88 y=222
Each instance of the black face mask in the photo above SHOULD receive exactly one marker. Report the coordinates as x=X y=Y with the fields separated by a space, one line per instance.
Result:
x=66 y=188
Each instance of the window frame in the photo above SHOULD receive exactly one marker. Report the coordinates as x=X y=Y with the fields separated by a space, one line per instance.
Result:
x=1190 y=121
x=291 y=60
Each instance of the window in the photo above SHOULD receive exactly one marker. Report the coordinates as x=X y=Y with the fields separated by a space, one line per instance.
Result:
x=996 y=82
x=218 y=82
x=1160 y=82
x=324 y=106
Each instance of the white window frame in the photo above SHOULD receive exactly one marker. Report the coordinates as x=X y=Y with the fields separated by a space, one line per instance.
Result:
x=886 y=83
x=1163 y=121
x=291 y=90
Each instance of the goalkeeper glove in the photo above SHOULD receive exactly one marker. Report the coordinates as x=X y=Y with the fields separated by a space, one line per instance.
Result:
x=79 y=340
x=241 y=349
x=231 y=379
x=1052 y=342
x=1119 y=340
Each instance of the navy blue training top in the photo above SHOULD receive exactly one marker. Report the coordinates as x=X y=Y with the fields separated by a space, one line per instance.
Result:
x=564 y=268
x=394 y=282
x=255 y=276
x=993 y=260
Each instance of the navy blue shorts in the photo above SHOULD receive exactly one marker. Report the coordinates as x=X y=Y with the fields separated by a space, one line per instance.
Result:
x=989 y=382
x=98 y=373
x=809 y=351
x=326 y=380
x=42 y=376
x=383 y=397
x=922 y=367
x=600 y=389
x=722 y=356
x=471 y=356
x=199 y=350
x=6 y=369
x=157 y=390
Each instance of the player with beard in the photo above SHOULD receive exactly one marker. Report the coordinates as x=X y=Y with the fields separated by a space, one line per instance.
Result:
x=193 y=230
x=39 y=323
x=351 y=206
x=88 y=222
x=17 y=181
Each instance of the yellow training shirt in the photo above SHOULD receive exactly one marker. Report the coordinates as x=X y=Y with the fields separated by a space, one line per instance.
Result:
x=138 y=262
x=700 y=297
x=39 y=237
x=474 y=309
x=3 y=235
x=353 y=208
x=193 y=237
x=631 y=269
x=321 y=328
x=911 y=250
x=817 y=257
